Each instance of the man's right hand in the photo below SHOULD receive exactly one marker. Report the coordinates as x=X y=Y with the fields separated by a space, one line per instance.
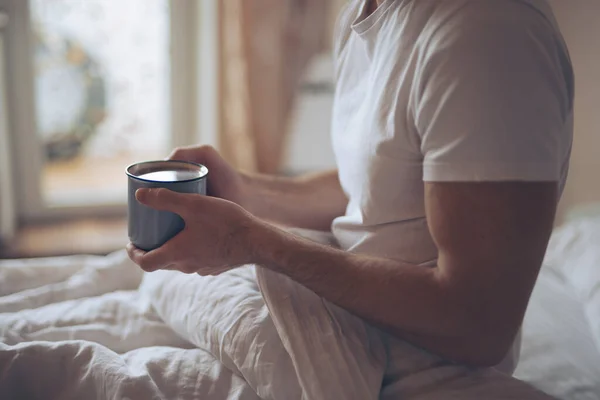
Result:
x=224 y=181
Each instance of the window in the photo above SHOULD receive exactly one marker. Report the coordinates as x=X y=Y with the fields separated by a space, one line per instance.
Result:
x=96 y=85
x=101 y=87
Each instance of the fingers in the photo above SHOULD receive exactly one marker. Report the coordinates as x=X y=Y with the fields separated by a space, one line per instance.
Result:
x=149 y=261
x=166 y=200
x=183 y=154
x=187 y=205
x=197 y=154
x=163 y=259
x=135 y=254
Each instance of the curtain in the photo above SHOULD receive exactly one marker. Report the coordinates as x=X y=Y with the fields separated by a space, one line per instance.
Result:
x=7 y=204
x=266 y=46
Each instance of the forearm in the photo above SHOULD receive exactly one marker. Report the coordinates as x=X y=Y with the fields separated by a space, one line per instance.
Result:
x=408 y=301
x=310 y=201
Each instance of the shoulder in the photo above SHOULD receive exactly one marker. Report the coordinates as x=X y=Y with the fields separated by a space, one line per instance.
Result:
x=490 y=25
x=478 y=40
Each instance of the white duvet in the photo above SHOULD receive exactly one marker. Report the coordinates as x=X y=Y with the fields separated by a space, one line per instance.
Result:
x=96 y=327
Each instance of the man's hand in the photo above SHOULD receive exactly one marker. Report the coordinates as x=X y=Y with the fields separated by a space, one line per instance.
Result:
x=224 y=181
x=215 y=238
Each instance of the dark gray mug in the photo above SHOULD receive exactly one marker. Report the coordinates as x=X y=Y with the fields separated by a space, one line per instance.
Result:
x=149 y=228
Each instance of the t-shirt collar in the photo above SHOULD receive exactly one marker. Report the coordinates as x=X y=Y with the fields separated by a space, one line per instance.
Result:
x=364 y=23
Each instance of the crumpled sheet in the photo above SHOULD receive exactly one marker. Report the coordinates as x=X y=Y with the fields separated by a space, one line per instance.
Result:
x=78 y=328
x=96 y=327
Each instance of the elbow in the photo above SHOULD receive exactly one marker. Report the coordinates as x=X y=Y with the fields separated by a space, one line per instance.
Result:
x=484 y=347
x=481 y=332
x=473 y=348
x=482 y=353
x=479 y=340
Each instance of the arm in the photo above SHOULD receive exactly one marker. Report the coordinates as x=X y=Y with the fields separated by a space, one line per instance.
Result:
x=310 y=201
x=491 y=239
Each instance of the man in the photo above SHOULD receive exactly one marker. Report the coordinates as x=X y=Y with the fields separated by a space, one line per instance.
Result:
x=452 y=129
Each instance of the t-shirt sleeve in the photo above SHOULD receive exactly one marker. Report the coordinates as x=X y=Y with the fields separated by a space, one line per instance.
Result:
x=493 y=101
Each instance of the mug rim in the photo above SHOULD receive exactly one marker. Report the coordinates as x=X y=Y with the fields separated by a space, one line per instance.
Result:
x=202 y=169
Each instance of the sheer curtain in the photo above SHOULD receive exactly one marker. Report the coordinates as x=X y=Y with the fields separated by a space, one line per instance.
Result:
x=7 y=205
x=266 y=46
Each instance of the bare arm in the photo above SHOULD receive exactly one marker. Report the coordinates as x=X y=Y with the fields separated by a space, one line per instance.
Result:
x=310 y=201
x=491 y=239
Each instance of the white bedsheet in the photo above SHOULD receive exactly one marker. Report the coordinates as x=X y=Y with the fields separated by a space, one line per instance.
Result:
x=559 y=355
x=561 y=332
x=85 y=330
x=77 y=328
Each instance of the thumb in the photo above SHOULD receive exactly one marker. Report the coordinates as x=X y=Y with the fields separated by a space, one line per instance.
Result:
x=165 y=200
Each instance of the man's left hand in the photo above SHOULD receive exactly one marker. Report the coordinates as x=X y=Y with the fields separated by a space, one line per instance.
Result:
x=216 y=237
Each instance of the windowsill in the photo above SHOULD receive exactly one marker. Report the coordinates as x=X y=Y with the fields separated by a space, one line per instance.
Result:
x=81 y=236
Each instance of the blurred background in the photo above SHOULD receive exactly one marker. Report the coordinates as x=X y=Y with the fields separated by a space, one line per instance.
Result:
x=90 y=86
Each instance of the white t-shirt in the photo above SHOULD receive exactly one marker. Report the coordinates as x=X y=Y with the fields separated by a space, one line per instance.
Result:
x=443 y=90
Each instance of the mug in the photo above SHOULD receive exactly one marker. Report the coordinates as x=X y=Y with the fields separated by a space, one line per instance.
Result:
x=149 y=228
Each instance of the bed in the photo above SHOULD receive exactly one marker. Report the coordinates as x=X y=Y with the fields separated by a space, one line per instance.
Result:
x=87 y=327
x=561 y=331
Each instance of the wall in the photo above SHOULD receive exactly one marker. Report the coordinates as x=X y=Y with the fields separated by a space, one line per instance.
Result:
x=580 y=23
x=309 y=142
